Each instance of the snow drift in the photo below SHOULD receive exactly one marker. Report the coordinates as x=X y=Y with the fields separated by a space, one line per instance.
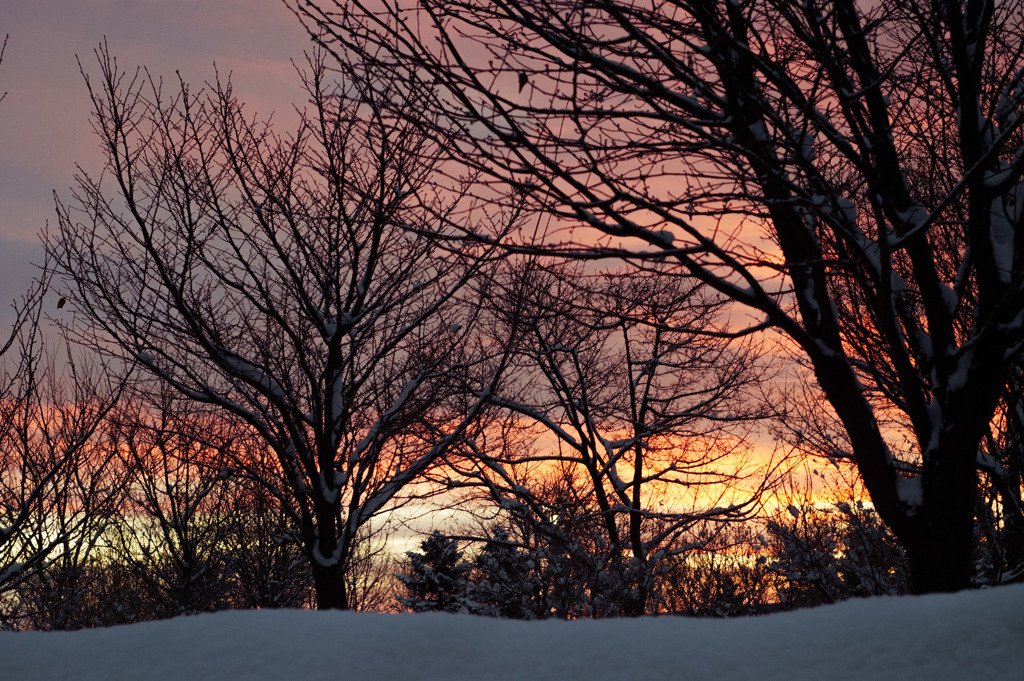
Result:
x=971 y=635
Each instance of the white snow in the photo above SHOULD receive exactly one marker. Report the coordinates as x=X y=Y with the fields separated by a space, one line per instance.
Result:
x=11 y=570
x=246 y=369
x=760 y=131
x=958 y=379
x=950 y=637
x=1002 y=237
x=805 y=141
x=950 y=297
x=910 y=490
x=849 y=209
x=994 y=178
x=913 y=217
x=664 y=236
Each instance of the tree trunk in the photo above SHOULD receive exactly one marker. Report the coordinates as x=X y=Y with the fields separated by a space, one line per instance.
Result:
x=937 y=534
x=941 y=556
x=939 y=540
x=329 y=582
x=328 y=562
x=940 y=559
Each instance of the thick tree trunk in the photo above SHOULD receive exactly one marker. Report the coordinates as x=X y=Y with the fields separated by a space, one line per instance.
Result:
x=329 y=582
x=328 y=559
x=936 y=530
x=941 y=554
x=940 y=539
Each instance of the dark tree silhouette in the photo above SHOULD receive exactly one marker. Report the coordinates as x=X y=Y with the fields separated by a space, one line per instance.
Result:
x=297 y=283
x=851 y=172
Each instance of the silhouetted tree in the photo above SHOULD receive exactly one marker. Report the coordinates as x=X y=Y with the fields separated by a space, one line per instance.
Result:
x=437 y=577
x=173 y=526
x=786 y=155
x=296 y=283
x=57 y=485
x=626 y=387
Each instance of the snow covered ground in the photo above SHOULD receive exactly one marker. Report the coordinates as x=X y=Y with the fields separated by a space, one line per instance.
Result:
x=976 y=635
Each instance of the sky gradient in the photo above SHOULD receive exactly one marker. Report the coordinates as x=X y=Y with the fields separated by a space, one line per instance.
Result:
x=45 y=118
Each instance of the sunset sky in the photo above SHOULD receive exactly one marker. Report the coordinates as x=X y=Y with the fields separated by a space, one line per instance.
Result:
x=45 y=118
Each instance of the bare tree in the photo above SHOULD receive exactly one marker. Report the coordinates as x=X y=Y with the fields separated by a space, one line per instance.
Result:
x=372 y=574
x=54 y=483
x=786 y=155
x=57 y=487
x=266 y=565
x=173 y=524
x=626 y=387
x=1001 y=503
x=729 y=577
x=293 y=282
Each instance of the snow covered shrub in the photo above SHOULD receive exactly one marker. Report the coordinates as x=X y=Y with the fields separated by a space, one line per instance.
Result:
x=832 y=552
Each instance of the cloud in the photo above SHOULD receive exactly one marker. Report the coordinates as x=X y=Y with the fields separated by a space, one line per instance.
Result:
x=45 y=119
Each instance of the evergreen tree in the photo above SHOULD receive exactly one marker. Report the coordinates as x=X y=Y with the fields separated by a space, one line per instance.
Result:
x=508 y=582
x=438 y=576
